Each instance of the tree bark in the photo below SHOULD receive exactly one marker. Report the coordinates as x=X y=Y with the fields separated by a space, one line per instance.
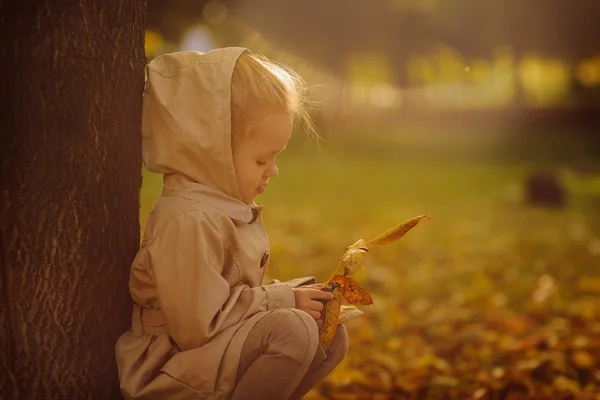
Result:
x=71 y=75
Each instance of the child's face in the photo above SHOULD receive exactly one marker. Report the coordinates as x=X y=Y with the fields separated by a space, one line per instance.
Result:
x=254 y=154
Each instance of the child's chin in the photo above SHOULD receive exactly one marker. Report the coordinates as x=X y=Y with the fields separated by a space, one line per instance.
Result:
x=249 y=199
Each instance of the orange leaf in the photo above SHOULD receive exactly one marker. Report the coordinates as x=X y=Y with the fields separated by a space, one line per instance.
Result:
x=396 y=232
x=330 y=318
x=583 y=359
x=353 y=292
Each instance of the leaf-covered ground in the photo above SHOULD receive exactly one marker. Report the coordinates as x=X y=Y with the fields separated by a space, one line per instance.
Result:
x=489 y=299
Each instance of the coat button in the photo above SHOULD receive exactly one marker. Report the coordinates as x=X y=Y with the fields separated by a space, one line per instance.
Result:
x=264 y=259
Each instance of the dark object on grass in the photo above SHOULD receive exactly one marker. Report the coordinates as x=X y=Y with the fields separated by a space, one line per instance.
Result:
x=543 y=189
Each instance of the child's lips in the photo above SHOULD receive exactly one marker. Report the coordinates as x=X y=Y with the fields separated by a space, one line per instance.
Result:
x=261 y=189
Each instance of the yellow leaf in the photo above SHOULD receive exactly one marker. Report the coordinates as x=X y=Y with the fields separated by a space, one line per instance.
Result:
x=583 y=359
x=479 y=393
x=387 y=360
x=396 y=232
x=528 y=364
x=444 y=381
x=353 y=258
x=330 y=318
x=564 y=383
x=353 y=292
x=498 y=372
x=589 y=284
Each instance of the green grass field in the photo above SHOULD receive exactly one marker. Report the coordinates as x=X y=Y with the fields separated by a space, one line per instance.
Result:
x=489 y=298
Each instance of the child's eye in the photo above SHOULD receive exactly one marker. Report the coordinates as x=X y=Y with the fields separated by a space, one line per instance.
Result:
x=261 y=163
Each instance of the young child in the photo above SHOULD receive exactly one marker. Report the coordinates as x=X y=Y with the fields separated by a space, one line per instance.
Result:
x=204 y=326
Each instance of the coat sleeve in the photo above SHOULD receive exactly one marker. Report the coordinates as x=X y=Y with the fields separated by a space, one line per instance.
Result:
x=297 y=282
x=186 y=259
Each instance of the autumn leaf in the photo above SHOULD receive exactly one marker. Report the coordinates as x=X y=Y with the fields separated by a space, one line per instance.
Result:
x=564 y=383
x=583 y=359
x=353 y=292
x=353 y=258
x=344 y=286
x=479 y=393
x=396 y=232
x=330 y=317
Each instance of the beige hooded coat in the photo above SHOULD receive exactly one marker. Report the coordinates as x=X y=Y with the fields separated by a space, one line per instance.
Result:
x=196 y=281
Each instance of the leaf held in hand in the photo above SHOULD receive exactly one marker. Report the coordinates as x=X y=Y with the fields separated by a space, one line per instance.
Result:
x=353 y=292
x=348 y=288
x=353 y=258
x=330 y=318
x=396 y=232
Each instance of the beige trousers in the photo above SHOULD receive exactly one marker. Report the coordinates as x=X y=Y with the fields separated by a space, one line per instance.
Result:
x=282 y=359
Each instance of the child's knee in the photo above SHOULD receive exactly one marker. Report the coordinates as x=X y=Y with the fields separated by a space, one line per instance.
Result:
x=294 y=334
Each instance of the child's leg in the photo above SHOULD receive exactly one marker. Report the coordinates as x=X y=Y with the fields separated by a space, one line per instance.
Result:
x=319 y=370
x=276 y=355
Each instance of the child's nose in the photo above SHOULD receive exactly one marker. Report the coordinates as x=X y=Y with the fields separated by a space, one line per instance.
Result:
x=273 y=171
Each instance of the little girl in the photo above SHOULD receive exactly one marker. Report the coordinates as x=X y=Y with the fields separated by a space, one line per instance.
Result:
x=204 y=326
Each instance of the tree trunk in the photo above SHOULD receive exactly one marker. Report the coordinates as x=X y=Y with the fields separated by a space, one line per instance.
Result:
x=70 y=110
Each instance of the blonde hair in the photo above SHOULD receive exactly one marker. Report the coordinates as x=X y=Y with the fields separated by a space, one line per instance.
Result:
x=260 y=84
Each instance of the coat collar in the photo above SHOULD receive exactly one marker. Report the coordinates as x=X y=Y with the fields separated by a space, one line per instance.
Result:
x=177 y=185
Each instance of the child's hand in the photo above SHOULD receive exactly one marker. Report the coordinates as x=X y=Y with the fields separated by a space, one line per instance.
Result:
x=307 y=300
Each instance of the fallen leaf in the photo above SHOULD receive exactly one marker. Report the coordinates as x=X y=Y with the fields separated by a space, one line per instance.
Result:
x=583 y=359
x=353 y=292
x=443 y=381
x=431 y=360
x=330 y=318
x=589 y=284
x=527 y=364
x=498 y=372
x=564 y=383
x=396 y=232
x=581 y=342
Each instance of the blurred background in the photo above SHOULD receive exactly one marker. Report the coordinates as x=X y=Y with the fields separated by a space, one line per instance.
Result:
x=484 y=115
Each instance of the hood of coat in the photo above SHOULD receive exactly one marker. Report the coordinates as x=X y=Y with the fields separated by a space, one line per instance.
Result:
x=186 y=119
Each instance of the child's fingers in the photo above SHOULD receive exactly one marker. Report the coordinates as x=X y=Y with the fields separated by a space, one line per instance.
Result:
x=320 y=294
x=315 y=314
x=319 y=323
x=316 y=305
